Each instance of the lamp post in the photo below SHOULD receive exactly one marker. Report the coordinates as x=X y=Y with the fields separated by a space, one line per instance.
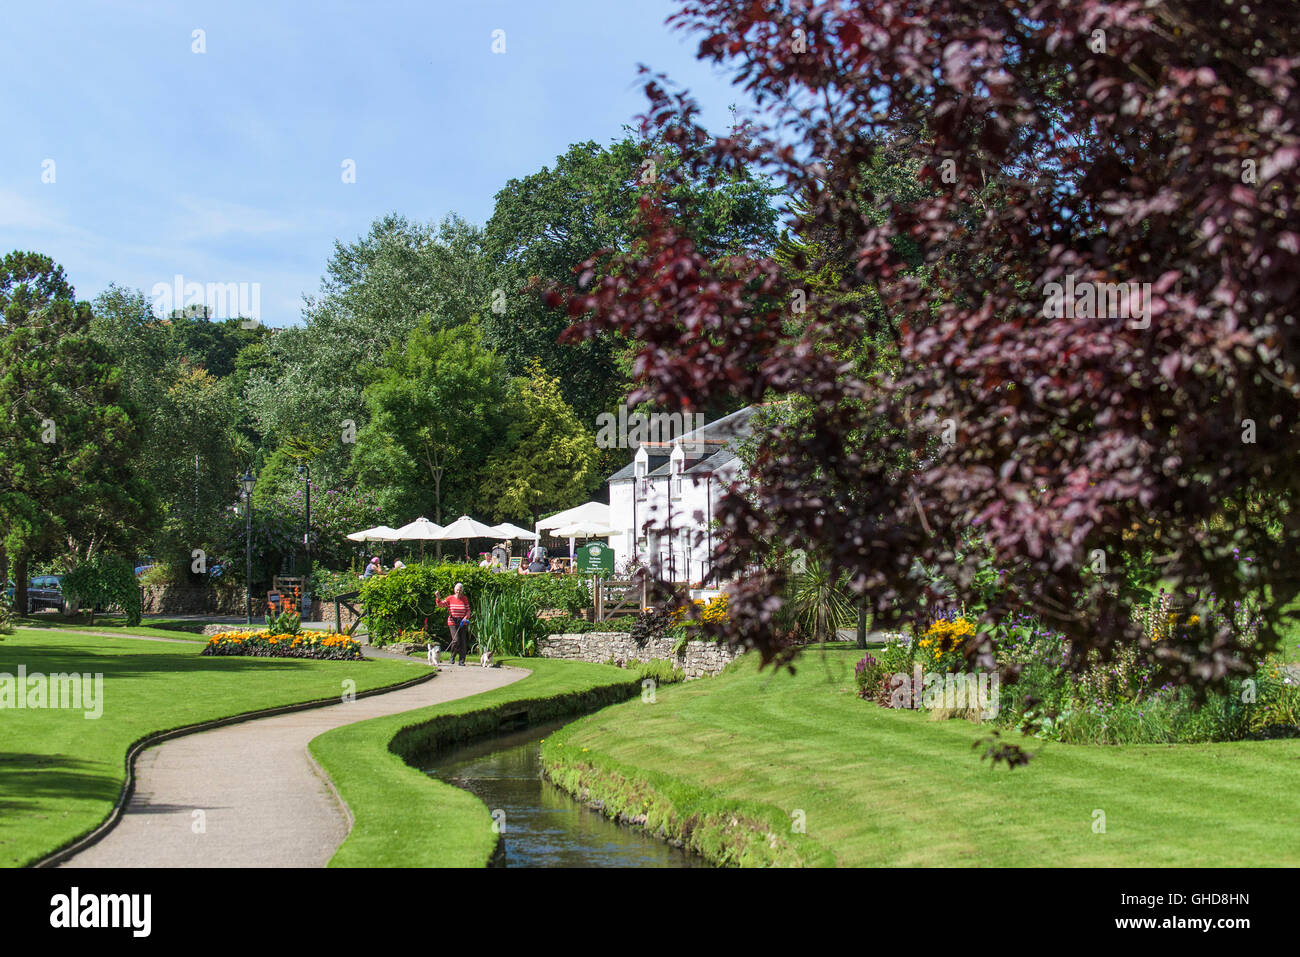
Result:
x=246 y=486
x=305 y=471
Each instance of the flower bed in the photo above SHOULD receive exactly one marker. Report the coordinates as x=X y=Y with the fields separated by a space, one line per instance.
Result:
x=1117 y=701
x=327 y=646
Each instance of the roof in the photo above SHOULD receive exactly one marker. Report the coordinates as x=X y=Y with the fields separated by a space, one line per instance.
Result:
x=713 y=462
x=715 y=444
x=717 y=433
x=628 y=472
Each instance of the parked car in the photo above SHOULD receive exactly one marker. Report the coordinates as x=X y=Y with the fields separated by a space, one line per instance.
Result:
x=43 y=591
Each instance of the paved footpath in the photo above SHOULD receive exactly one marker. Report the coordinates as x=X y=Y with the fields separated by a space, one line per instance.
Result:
x=265 y=802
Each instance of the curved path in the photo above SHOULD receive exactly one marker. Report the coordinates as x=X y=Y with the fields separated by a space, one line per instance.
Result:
x=264 y=801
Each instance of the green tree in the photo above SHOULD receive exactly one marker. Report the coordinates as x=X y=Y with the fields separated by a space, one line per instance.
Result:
x=545 y=225
x=439 y=402
x=68 y=443
x=548 y=461
x=104 y=580
x=193 y=460
x=375 y=293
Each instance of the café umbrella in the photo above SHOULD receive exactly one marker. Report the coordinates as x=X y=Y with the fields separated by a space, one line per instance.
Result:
x=588 y=512
x=421 y=530
x=466 y=528
x=506 y=530
x=586 y=529
x=380 y=533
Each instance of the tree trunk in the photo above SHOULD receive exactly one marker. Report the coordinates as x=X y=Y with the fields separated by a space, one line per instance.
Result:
x=20 y=584
x=862 y=625
x=437 y=508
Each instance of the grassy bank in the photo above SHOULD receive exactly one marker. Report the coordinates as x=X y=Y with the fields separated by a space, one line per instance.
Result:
x=61 y=773
x=404 y=818
x=883 y=787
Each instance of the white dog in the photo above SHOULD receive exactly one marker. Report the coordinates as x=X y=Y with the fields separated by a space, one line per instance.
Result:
x=485 y=659
x=434 y=651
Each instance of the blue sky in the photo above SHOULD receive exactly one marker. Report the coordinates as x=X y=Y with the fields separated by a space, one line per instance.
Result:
x=226 y=166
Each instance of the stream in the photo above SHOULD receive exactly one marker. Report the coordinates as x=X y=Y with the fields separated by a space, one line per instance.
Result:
x=543 y=826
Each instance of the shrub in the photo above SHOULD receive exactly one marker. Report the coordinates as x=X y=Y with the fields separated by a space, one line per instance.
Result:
x=569 y=593
x=162 y=574
x=404 y=598
x=325 y=584
x=105 y=580
x=265 y=644
x=580 y=626
x=6 y=615
x=1116 y=701
x=650 y=625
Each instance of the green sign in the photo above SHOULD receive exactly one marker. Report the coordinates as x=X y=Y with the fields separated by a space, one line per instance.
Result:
x=595 y=558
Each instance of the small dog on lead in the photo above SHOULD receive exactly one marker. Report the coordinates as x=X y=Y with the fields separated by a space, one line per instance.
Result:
x=485 y=659
x=434 y=651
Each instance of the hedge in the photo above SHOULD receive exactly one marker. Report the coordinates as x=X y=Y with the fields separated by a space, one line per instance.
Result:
x=403 y=599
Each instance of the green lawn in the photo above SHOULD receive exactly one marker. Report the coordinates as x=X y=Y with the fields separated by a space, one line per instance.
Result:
x=404 y=818
x=882 y=787
x=154 y=627
x=61 y=773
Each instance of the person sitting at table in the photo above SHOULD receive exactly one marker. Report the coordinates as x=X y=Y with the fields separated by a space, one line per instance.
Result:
x=537 y=567
x=373 y=568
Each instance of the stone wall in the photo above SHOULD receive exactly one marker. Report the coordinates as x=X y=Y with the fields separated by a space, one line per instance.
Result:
x=322 y=609
x=186 y=600
x=700 y=658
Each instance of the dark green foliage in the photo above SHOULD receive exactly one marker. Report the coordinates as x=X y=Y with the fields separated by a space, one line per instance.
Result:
x=68 y=443
x=404 y=599
x=106 y=581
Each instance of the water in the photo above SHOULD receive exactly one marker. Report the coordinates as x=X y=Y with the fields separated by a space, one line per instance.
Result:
x=544 y=827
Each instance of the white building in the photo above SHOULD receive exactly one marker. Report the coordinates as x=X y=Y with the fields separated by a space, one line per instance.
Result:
x=663 y=500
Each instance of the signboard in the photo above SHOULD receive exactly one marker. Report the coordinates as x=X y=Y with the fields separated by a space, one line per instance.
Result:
x=595 y=558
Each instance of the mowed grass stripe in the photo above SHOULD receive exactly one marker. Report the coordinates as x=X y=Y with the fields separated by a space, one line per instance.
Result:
x=897 y=788
x=61 y=774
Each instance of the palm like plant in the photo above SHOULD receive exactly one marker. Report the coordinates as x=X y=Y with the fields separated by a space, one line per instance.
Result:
x=820 y=604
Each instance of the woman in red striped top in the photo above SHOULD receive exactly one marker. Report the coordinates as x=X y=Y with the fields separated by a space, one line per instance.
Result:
x=457 y=621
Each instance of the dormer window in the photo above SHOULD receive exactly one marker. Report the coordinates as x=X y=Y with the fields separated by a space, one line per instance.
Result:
x=676 y=466
x=640 y=466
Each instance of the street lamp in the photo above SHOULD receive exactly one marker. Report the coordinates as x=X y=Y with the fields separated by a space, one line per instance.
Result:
x=246 y=486
x=305 y=471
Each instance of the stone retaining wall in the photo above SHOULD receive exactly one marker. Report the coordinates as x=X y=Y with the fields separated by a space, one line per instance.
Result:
x=187 y=600
x=700 y=658
x=322 y=609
